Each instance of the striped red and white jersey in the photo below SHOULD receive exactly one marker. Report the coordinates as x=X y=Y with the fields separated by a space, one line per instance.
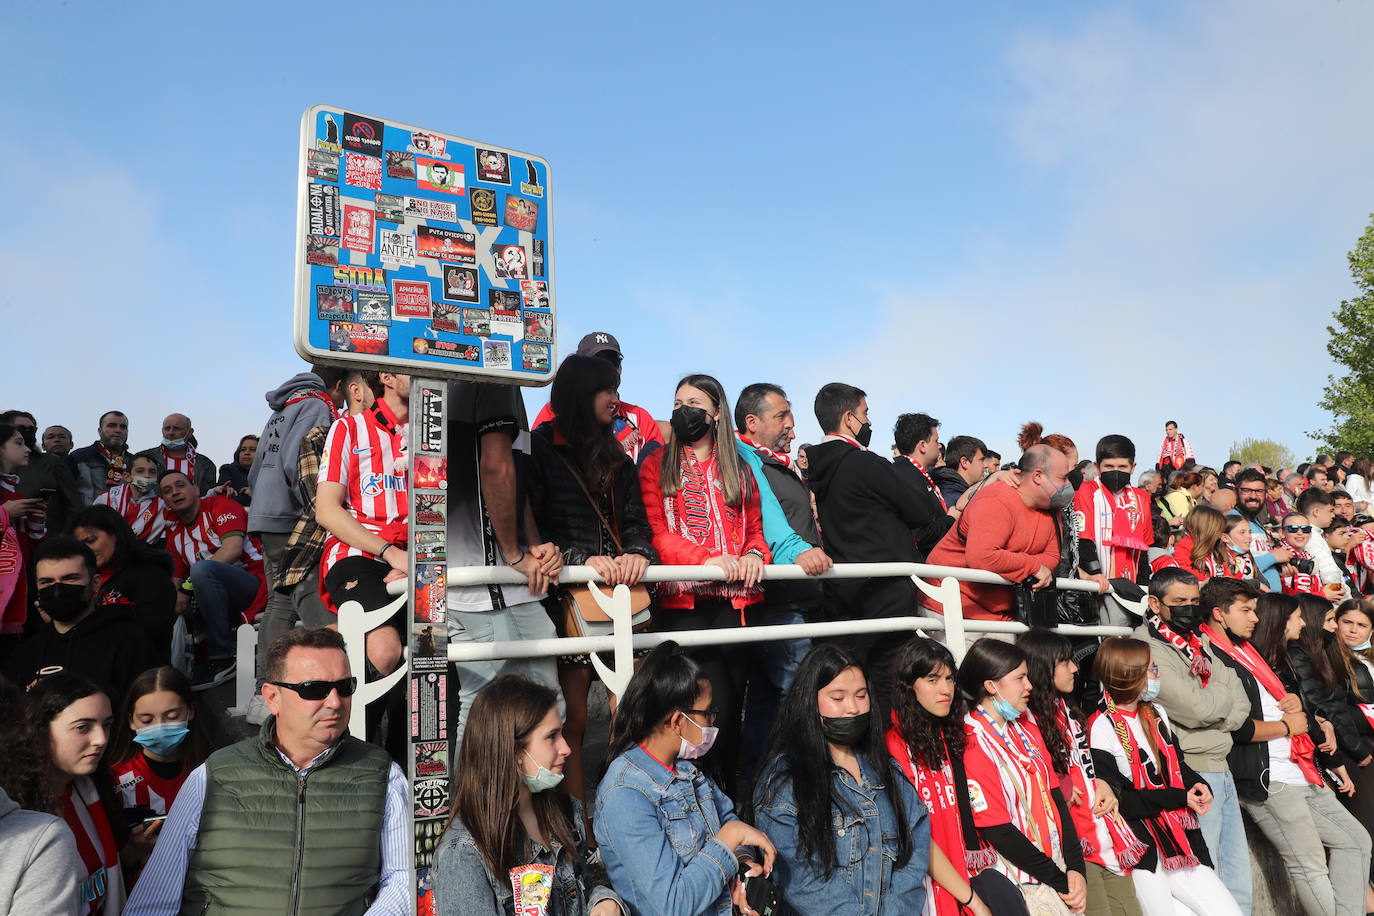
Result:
x=186 y=464
x=366 y=454
x=147 y=516
x=101 y=890
x=219 y=517
x=139 y=787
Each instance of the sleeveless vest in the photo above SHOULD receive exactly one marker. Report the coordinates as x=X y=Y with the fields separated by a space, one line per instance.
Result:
x=275 y=842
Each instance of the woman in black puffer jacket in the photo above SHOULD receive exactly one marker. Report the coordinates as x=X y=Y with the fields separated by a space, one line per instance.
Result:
x=576 y=459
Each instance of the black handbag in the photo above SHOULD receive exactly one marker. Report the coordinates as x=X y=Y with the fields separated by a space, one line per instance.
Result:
x=1035 y=608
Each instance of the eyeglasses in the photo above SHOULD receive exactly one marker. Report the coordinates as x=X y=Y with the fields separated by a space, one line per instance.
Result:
x=710 y=714
x=1252 y=491
x=319 y=690
x=1294 y=529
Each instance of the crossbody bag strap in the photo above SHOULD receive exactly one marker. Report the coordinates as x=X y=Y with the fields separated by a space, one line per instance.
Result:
x=587 y=493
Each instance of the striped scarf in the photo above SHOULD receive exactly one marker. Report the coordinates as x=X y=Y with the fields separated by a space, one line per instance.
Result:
x=1167 y=830
x=699 y=513
x=1199 y=665
x=1126 y=846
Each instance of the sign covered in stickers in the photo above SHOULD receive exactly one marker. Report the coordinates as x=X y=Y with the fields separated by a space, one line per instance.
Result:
x=418 y=217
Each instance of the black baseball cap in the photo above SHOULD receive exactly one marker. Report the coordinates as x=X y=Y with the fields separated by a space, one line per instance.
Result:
x=598 y=342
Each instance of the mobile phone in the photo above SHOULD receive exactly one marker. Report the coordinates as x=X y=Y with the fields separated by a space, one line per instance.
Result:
x=46 y=493
x=150 y=821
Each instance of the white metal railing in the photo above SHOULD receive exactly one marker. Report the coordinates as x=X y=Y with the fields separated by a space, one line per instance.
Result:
x=354 y=622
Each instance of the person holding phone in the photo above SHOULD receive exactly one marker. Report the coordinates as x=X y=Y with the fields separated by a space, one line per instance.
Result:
x=23 y=523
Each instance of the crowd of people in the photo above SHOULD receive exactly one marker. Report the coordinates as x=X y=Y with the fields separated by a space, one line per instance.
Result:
x=870 y=773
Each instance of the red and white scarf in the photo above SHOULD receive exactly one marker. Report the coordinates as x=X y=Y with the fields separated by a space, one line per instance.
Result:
x=101 y=888
x=926 y=474
x=1302 y=747
x=784 y=460
x=1113 y=524
x=1168 y=829
x=1126 y=846
x=115 y=464
x=1175 y=452
x=1199 y=665
x=698 y=513
x=1026 y=781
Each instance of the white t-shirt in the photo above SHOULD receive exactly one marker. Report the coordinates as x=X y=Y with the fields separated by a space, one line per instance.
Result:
x=1282 y=769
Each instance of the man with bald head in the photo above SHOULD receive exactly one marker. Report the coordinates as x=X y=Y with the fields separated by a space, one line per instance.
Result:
x=178 y=453
x=1008 y=529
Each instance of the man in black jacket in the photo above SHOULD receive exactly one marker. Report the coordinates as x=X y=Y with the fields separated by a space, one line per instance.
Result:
x=106 y=461
x=917 y=438
x=1275 y=761
x=964 y=463
x=101 y=643
x=867 y=515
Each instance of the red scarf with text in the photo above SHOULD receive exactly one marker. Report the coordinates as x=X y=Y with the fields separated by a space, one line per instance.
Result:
x=1126 y=846
x=1302 y=747
x=698 y=512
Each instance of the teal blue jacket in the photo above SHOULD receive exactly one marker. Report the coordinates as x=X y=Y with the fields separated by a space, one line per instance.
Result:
x=783 y=542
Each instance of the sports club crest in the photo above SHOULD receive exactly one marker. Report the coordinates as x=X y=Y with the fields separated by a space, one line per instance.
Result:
x=427 y=144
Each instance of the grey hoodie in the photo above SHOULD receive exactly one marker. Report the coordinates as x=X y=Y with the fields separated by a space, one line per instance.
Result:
x=276 y=501
x=41 y=867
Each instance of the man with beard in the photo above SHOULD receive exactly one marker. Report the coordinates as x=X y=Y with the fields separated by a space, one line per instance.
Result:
x=1269 y=555
x=763 y=424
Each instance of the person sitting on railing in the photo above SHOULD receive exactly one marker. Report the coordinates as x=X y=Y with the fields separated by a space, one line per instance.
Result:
x=852 y=834
x=669 y=837
x=1017 y=804
x=867 y=515
x=926 y=739
x=1009 y=531
x=703 y=505
x=584 y=491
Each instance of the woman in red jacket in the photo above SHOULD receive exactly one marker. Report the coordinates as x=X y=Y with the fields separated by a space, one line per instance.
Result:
x=703 y=505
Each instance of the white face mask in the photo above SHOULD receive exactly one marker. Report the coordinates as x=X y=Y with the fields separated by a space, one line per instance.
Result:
x=690 y=751
x=543 y=778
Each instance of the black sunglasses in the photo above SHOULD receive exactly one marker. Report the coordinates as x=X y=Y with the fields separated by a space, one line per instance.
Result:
x=318 y=690
x=1305 y=529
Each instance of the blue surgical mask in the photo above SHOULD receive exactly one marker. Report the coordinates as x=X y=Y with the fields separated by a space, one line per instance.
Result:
x=1005 y=709
x=1361 y=647
x=173 y=443
x=1151 y=690
x=543 y=779
x=163 y=738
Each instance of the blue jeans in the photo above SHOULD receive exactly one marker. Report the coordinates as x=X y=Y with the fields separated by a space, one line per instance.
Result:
x=774 y=664
x=1224 y=832
x=222 y=592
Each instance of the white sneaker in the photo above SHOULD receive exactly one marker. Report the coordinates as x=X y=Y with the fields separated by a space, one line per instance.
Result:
x=257 y=710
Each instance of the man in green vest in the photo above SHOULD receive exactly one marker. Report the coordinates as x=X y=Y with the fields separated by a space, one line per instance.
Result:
x=301 y=820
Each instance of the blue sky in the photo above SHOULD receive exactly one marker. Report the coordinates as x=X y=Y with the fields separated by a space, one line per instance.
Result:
x=1098 y=216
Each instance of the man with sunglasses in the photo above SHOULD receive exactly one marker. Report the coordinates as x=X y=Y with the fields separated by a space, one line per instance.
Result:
x=301 y=816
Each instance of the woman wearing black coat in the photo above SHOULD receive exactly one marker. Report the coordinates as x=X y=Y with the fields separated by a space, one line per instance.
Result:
x=575 y=462
x=131 y=574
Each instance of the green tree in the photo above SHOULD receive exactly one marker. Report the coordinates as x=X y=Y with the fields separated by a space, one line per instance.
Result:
x=1350 y=398
x=1267 y=452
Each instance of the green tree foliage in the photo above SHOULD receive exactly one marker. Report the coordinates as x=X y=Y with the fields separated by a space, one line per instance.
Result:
x=1350 y=398
x=1267 y=452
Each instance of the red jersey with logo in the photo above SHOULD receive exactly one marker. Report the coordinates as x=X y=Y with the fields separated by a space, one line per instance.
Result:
x=140 y=787
x=101 y=888
x=366 y=454
x=186 y=464
x=147 y=516
x=220 y=516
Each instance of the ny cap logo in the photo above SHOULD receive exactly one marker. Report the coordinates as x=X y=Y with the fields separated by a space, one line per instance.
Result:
x=601 y=338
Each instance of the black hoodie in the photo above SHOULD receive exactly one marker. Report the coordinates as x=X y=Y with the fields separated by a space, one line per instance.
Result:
x=107 y=647
x=867 y=513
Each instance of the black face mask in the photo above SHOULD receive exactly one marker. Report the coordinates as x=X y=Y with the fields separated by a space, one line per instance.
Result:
x=1075 y=478
x=864 y=435
x=690 y=423
x=1185 y=618
x=1116 y=481
x=845 y=730
x=64 y=601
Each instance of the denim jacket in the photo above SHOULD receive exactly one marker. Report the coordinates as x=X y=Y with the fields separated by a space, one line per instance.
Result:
x=865 y=881
x=656 y=829
x=463 y=886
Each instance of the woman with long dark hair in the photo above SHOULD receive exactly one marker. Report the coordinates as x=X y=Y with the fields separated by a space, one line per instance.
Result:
x=511 y=842
x=1109 y=847
x=1017 y=804
x=23 y=523
x=585 y=495
x=132 y=575
x=669 y=836
x=1319 y=667
x=926 y=739
x=75 y=714
x=703 y=505
x=1135 y=750
x=851 y=834
x=158 y=740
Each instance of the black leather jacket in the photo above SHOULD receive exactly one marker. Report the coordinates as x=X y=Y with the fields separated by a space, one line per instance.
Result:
x=1332 y=705
x=566 y=517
